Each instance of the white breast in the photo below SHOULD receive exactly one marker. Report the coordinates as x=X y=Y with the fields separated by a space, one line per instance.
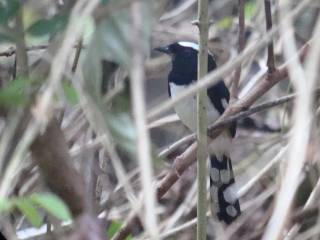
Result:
x=187 y=109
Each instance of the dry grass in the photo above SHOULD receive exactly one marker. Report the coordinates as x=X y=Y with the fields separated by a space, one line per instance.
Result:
x=275 y=153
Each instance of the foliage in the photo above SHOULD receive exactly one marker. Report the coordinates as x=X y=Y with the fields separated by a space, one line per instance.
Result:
x=94 y=102
x=29 y=206
x=15 y=93
x=112 y=43
x=49 y=26
x=70 y=93
x=114 y=228
x=8 y=9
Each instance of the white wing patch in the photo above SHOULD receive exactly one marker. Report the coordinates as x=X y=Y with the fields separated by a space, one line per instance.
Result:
x=193 y=45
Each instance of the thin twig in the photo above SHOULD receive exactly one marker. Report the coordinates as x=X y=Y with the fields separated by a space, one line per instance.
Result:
x=255 y=109
x=73 y=32
x=139 y=112
x=11 y=50
x=314 y=196
x=189 y=156
x=22 y=68
x=270 y=61
x=77 y=56
x=211 y=78
x=237 y=75
x=303 y=82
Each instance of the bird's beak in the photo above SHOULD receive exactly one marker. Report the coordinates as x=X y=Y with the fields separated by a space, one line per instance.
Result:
x=163 y=50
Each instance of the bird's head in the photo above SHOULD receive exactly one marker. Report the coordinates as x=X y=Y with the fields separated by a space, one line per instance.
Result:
x=183 y=55
x=180 y=49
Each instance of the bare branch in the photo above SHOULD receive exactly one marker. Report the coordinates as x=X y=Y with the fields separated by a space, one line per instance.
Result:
x=188 y=157
x=77 y=56
x=270 y=61
x=139 y=112
x=22 y=68
x=213 y=77
x=237 y=75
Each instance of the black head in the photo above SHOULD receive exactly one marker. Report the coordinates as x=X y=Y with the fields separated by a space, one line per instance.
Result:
x=181 y=49
x=184 y=56
x=184 y=61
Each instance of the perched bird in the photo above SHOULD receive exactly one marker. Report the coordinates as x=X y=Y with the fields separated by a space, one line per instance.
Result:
x=224 y=202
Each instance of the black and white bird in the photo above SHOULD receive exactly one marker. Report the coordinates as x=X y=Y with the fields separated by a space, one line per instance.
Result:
x=224 y=201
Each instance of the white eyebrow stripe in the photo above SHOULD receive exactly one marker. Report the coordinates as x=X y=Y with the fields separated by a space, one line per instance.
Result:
x=190 y=44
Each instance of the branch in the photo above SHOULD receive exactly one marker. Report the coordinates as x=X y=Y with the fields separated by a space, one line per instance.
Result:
x=78 y=47
x=303 y=79
x=188 y=157
x=49 y=148
x=139 y=112
x=51 y=154
x=202 y=121
x=213 y=77
x=237 y=74
x=22 y=68
x=12 y=51
x=270 y=61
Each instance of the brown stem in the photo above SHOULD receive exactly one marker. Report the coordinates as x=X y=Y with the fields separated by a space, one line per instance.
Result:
x=22 y=68
x=270 y=61
x=77 y=56
x=183 y=161
x=237 y=74
x=50 y=152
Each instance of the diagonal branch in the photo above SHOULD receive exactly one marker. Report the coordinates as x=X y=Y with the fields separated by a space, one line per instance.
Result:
x=214 y=76
x=188 y=157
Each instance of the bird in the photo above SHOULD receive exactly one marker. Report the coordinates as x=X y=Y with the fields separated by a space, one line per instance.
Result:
x=224 y=203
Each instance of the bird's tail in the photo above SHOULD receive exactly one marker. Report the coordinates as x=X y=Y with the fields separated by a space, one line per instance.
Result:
x=224 y=201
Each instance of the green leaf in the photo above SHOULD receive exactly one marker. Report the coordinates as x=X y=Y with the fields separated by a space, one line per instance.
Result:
x=52 y=204
x=5 y=205
x=224 y=23
x=49 y=26
x=5 y=38
x=104 y=2
x=112 y=43
x=8 y=10
x=70 y=93
x=250 y=9
x=114 y=228
x=15 y=92
x=113 y=35
x=27 y=208
x=122 y=130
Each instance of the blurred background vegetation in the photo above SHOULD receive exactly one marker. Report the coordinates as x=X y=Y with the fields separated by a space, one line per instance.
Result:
x=68 y=143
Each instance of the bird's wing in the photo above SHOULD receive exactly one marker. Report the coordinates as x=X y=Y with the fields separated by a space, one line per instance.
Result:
x=219 y=94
